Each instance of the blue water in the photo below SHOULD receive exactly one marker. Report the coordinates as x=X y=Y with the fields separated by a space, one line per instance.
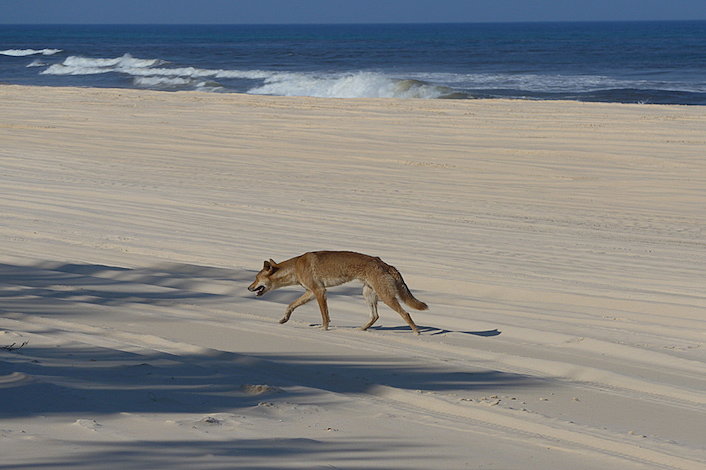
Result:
x=637 y=62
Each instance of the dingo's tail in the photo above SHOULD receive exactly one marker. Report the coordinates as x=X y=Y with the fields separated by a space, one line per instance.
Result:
x=408 y=298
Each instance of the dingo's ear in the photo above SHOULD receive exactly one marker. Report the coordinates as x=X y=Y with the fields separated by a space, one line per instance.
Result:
x=270 y=266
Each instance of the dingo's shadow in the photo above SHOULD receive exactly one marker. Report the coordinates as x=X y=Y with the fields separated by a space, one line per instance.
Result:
x=431 y=331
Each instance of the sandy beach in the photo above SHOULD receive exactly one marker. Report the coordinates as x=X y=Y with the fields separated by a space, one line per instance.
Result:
x=561 y=247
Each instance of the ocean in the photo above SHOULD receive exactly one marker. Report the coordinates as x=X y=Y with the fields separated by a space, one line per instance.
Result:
x=629 y=62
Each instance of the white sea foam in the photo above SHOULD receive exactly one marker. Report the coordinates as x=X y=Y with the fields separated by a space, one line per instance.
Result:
x=124 y=61
x=158 y=82
x=176 y=82
x=36 y=63
x=74 y=65
x=193 y=72
x=26 y=52
x=351 y=85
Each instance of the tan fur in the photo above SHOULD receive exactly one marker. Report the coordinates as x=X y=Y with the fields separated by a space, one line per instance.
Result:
x=317 y=270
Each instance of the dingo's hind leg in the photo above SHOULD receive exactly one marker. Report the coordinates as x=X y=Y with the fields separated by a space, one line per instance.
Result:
x=391 y=301
x=372 y=298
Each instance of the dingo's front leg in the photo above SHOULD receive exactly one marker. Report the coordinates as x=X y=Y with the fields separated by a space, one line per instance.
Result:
x=320 y=294
x=304 y=298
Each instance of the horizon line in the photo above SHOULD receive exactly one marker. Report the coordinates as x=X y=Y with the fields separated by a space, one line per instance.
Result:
x=361 y=23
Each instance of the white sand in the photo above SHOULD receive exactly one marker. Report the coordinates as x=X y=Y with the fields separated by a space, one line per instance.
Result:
x=561 y=248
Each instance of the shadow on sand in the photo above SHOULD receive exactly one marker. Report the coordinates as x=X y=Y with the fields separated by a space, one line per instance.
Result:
x=78 y=379
x=43 y=286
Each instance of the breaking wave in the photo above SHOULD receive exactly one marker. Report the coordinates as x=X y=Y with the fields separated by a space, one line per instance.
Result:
x=74 y=65
x=26 y=52
x=152 y=73
x=351 y=85
x=163 y=75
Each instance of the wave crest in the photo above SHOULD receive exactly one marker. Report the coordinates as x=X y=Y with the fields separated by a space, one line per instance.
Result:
x=26 y=52
x=36 y=63
x=124 y=61
x=352 y=85
x=74 y=65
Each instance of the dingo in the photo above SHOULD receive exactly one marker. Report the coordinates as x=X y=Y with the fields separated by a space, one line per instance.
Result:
x=318 y=270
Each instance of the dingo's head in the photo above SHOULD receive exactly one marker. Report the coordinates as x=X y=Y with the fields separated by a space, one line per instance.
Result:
x=263 y=280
